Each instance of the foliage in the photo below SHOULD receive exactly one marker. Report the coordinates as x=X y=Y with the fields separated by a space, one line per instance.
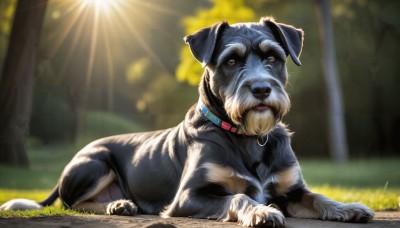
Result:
x=52 y=120
x=234 y=11
x=137 y=70
x=7 y=8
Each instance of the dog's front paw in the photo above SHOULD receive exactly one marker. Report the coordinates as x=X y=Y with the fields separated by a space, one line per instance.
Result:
x=355 y=212
x=261 y=215
x=121 y=207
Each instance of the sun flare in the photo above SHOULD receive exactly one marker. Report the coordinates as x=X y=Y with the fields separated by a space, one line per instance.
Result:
x=103 y=30
x=99 y=5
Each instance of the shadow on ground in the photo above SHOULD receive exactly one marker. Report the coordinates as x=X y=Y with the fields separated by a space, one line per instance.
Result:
x=382 y=219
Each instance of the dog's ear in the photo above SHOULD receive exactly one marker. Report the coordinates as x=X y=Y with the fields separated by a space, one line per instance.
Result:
x=290 y=37
x=202 y=43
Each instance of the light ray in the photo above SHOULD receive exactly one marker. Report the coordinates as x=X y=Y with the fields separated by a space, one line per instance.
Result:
x=75 y=41
x=140 y=39
x=110 y=67
x=76 y=7
x=111 y=25
x=150 y=21
x=92 y=54
x=99 y=5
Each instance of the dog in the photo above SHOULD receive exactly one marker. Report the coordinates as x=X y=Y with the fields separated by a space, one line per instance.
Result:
x=230 y=159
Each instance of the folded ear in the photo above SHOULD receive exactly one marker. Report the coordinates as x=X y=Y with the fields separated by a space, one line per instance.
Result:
x=290 y=37
x=202 y=43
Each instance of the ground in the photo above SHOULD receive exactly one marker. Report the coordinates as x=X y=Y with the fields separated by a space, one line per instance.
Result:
x=382 y=219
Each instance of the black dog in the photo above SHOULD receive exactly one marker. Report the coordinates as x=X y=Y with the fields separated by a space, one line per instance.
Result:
x=230 y=159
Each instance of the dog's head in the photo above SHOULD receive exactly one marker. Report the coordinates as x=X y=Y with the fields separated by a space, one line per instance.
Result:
x=245 y=71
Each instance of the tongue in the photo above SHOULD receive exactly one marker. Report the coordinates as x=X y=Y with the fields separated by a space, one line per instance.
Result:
x=261 y=108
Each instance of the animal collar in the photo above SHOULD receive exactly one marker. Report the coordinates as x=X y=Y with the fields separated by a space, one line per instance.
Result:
x=220 y=123
x=227 y=126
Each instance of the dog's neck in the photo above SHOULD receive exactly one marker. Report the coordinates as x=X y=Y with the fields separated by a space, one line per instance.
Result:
x=213 y=109
x=207 y=98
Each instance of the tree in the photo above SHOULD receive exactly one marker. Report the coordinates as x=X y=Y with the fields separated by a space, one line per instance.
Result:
x=17 y=81
x=337 y=137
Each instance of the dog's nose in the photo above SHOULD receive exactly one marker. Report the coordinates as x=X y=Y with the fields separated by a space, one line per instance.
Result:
x=261 y=90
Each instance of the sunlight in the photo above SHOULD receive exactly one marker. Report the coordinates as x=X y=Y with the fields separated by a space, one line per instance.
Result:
x=102 y=31
x=99 y=5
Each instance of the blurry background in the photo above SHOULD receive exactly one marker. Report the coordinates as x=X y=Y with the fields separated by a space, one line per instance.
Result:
x=111 y=67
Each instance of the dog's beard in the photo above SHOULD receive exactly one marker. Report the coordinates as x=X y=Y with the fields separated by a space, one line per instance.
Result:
x=240 y=110
x=259 y=123
x=235 y=110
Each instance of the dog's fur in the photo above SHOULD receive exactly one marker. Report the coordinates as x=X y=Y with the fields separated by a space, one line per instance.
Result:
x=198 y=169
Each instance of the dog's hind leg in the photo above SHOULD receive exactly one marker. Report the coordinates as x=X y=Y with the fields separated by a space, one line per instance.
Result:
x=88 y=183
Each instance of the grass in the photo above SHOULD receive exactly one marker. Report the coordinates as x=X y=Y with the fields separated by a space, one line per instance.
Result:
x=36 y=195
x=366 y=173
x=375 y=198
x=47 y=163
x=374 y=182
x=47 y=211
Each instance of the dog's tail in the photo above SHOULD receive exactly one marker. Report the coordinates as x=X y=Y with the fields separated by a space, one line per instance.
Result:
x=25 y=204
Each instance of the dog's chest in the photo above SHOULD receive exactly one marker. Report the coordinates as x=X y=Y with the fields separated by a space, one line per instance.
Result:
x=259 y=184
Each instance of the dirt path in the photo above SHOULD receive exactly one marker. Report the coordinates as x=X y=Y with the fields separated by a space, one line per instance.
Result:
x=382 y=219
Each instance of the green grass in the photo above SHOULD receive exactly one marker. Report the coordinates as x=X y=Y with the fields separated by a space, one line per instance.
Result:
x=37 y=195
x=34 y=194
x=47 y=211
x=47 y=163
x=374 y=182
x=375 y=198
x=367 y=173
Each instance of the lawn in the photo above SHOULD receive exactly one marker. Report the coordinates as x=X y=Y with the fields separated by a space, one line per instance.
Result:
x=374 y=182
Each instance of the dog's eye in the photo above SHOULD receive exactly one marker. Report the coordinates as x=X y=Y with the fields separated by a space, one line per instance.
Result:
x=231 y=62
x=271 y=59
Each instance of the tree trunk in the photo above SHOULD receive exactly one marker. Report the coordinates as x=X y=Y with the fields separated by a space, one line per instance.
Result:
x=337 y=129
x=16 y=85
